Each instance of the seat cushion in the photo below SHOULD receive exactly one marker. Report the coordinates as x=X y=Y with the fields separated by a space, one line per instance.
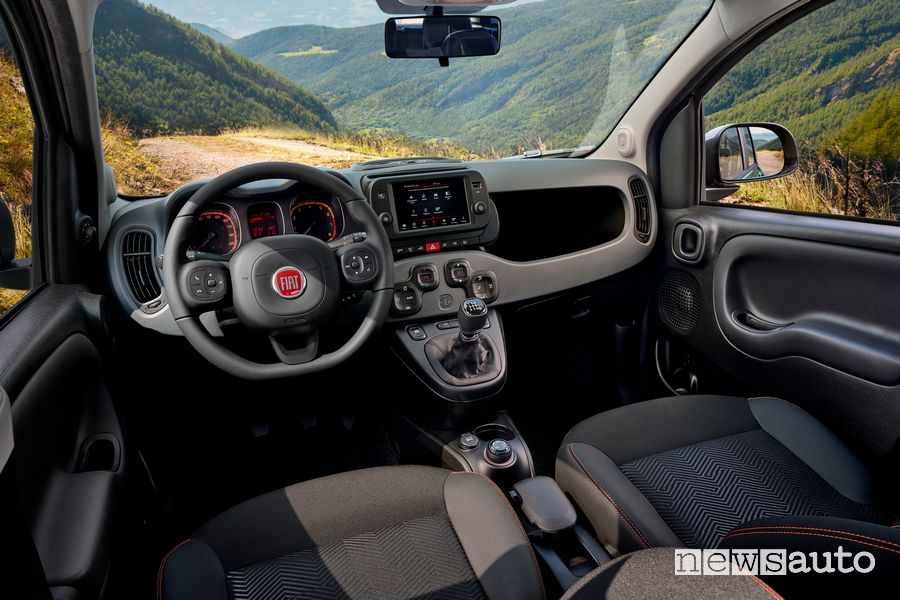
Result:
x=684 y=471
x=649 y=575
x=392 y=532
x=848 y=546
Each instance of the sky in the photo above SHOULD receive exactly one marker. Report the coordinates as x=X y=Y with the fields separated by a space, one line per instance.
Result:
x=238 y=18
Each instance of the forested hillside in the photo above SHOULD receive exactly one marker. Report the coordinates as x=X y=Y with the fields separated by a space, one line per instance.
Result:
x=549 y=81
x=558 y=60
x=819 y=76
x=161 y=76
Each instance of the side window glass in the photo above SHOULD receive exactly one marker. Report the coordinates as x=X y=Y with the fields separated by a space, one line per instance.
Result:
x=832 y=79
x=16 y=140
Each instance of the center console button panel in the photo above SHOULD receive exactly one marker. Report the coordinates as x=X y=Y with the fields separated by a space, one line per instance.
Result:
x=416 y=333
x=484 y=286
x=407 y=300
x=425 y=277
x=457 y=273
x=404 y=250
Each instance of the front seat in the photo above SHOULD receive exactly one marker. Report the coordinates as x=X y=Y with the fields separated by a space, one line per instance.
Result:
x=389 y=532
x=685 y=471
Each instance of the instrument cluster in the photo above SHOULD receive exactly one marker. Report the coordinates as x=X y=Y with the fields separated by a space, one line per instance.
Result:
x=223 y=226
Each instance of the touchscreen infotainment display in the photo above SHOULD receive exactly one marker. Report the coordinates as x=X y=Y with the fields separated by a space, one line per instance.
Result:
x=427 y=204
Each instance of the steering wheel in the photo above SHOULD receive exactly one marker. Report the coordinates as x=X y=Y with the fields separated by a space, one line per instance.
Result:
x=284 y=286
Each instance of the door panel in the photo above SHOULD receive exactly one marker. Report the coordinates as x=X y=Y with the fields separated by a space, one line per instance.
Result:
x=794 y=306
x=69 y=443
x=778 y=297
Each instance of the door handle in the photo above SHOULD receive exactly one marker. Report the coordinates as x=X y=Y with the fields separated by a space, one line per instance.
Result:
x=748 y=320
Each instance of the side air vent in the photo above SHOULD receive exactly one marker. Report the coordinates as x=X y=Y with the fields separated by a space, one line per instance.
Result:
x=641 y=209
x=137 y=261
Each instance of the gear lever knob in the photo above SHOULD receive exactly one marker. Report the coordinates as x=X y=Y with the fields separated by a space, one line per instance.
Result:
x=472 y=317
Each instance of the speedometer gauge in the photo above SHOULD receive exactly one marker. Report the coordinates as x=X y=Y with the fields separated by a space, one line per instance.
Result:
x=215 y=231
x=311 y=217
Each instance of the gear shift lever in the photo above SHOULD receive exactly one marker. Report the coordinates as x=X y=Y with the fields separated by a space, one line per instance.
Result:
x=469 y=354
x=472 y=317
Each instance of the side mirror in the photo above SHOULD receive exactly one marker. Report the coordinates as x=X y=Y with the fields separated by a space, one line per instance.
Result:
x=441 y=37
x=745 y=152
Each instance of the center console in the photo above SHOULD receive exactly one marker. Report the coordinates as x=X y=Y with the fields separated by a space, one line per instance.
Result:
x=444 y=330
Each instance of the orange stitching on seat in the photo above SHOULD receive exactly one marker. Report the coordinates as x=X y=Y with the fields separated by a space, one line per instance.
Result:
x=763 y=527
x=774 y=398
x=162 y=567
x=609 y=499
x=517 y=521
x=766 y=587
x=821 y=535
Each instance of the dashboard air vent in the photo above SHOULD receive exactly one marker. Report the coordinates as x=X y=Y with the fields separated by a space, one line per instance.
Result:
x=641 y=209
x=137 y=261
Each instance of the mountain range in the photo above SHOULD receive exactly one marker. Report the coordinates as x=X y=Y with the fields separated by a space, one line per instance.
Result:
x=547 y=86
x=216 y=34
x=550 y=81
x=161 y=76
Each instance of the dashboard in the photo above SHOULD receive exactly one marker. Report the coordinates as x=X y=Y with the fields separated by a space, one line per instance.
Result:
x=566 y=223
x=224 y=225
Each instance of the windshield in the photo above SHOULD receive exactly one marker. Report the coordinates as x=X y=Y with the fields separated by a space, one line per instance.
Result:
x=190 y=89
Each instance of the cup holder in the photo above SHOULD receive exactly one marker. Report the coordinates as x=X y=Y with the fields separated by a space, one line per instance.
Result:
x=494 y=431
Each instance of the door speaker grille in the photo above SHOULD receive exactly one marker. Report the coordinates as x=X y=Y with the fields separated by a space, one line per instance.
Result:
x=680 y=301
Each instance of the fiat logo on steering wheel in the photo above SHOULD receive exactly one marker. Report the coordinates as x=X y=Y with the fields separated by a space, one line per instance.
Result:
x=289 y=282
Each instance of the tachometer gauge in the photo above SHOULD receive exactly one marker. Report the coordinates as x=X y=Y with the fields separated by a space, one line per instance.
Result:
x=311 y=217
x=216 y=231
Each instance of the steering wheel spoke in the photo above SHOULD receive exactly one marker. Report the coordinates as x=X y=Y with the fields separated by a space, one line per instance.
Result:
x=206 y=285
x=296 y=349
x=359 y=265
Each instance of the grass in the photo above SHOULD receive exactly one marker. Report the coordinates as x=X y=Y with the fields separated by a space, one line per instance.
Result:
x=314 y=51
x=137 y=174
x=836 y=183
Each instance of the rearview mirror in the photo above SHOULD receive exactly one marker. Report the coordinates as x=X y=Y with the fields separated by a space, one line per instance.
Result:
x=441 y=37
x=745 y=152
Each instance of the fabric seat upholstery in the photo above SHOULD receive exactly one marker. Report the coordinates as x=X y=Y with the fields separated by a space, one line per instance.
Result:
x=392 y=532
x=684 y=471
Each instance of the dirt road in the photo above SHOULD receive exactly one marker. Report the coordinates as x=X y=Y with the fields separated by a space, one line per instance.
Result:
x=186 y=158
